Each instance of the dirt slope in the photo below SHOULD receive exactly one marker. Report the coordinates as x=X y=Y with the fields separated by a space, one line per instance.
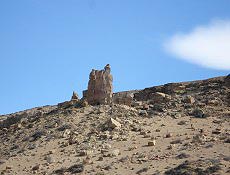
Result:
x=177 y=128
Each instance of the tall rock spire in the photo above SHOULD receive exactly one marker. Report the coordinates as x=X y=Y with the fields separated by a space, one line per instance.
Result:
x=100 y=88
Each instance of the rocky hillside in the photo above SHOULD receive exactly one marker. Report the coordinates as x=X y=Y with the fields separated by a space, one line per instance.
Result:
x=176 y=128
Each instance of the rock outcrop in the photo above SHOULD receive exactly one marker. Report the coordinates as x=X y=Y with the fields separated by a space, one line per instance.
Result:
x=227 y=81
x=100 y=88
x=142 y=127
x=125 y=98
x=75 y=96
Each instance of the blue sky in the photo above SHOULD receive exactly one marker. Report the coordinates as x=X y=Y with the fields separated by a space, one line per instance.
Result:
x=48 y=47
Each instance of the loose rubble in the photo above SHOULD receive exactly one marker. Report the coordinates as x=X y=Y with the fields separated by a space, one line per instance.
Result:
x=177 y=128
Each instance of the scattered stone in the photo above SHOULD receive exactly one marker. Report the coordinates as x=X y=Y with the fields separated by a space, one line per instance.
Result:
x=217 y=131
x=125 y=159
x=37 y=135
x=159 y=97
x=78 y=131
x=112 y=124
x=106 y=146
x=226 y=158
x=49 y=159
x=213 y=102
x=66 y=133
x=32 y=146
x=115 y=153
x=64 y=127
x=9 y=167
x=107 y=167
x=152 y=143
x=143 y=113
x=177 y=141
x=60 y=171
x=171 y=146
x=36 y=167
x=168 y=135
x=145 y=107
x=77 y=168
x=87 y=161
x=189 y=99
x=115 y=136
x=11 y=120
x=145 y=169
x=199 y=138
x=124 y=98
x=217 y=121
x=227 y=140
x=85 y=152
x=73 y=140
x=199 y=167
x=182 y=122
x=2 y=161
x=176 y=115
x=182 y=156
x=65 y=105
x=51 y=151
x=100 y=158
x=198 y=113
x=83 y=103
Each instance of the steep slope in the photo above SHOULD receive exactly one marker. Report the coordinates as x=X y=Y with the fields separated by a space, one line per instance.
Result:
x=177 y=128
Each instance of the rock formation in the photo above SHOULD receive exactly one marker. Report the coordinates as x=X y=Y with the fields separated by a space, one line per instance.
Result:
x=75 y=96
x=156 y=125
x=100 y=88
x=227 y=81
x=125 y=98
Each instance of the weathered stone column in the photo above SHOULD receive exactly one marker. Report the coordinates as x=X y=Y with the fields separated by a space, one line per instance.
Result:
x=100 y=88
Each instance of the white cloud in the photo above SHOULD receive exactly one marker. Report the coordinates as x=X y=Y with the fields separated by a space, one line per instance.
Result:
x=208 y=46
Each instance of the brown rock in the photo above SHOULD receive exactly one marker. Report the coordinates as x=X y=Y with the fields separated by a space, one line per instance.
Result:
x=145 y=107
x=115 y=153
x=152 y=143
x=168 y=135
x=143 y=113
x=8 y=167
x=112 y=123
x=83 y=103
x=100 y=89
x=65 y=104
x=125 y=98
x=36 y=167
x=75 y=97
x=189 y=99
x=158 y=97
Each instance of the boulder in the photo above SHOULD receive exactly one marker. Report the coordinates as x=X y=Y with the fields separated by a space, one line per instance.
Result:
x=125 y=98
x=115 y=153
x=159 y=97
x=112 y=124
x=143 y=113
x=199 y=113
x=171 y=88
x=152 y=143
x=11 y=120
x=65 y=104
x=189 y=99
